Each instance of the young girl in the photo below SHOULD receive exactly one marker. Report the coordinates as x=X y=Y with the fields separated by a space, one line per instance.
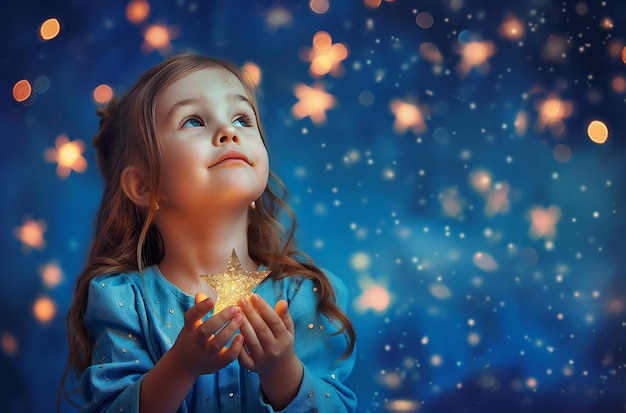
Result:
x=186 y=182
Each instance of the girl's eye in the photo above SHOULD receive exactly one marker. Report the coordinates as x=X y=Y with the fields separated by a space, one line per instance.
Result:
x=242 y=121
x=192 y=122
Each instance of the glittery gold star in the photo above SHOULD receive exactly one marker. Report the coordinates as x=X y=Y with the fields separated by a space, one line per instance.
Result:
x=234 y=283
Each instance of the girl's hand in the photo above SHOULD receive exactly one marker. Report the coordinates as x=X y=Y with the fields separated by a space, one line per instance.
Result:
x=269 y=338
x=198 y=349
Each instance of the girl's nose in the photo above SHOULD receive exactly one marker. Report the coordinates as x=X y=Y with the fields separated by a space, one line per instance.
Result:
x=225 y=134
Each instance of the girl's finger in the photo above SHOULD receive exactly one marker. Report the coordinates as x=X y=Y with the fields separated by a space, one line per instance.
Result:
x=282 y=309
x=251 y=340
x=271 y=319
x=216 y=322
x=245 y=359
x=216 y=342
x=193 y=317
x=200 y=297
x=228 y=354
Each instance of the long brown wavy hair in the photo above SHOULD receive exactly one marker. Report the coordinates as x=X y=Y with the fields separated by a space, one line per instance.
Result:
x=126 y=238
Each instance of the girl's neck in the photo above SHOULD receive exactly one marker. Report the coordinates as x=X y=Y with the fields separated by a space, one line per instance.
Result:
x=202 y=248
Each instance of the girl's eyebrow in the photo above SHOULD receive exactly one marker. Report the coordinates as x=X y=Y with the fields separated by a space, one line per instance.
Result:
x=176 y=106
x=233 y=97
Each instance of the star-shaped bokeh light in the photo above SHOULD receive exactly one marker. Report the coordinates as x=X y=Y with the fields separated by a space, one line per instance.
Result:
x=543 y=222
x=475 y=55
x=325 y=57
x=31 y=234
x=408 y=115
x=312 y=102
x=552 y=113
x=233 y=284
x=68 y=155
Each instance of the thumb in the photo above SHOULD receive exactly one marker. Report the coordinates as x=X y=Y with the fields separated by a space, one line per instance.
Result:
x=201 y=297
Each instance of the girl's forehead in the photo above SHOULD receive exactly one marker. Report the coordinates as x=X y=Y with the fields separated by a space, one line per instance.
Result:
x=204 y=80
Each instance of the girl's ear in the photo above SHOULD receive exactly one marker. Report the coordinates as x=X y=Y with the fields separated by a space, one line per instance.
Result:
x=134 y=186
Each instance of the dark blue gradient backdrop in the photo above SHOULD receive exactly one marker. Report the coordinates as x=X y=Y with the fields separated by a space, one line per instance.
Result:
x=453 y=183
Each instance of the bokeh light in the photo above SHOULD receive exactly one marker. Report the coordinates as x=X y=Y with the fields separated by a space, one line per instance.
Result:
x=407 y=116
x=319 y=6
x=313 y=102
x=44 y=309
x=252 y=74
x=51 y=275
x=68 y=155
x=597 y=131
x=22 y=90
x=512 y=28
x=458 y=164
x=158 y=37
x=102 y=94
x=475 y=55
x=50 y=29
x=137 y=11
x=31 y=234
x=424 y=20
x=325 y=57
x=9 y=344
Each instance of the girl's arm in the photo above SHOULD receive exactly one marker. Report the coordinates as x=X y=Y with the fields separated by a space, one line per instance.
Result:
x=317 y=352
x=269 y=338
x=127 y=372
x=196 y=351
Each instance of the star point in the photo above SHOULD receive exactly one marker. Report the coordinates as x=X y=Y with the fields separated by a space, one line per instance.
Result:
x=234 y=283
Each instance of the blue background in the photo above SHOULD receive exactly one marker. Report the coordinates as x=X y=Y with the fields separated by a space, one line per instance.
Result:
x=544 y=332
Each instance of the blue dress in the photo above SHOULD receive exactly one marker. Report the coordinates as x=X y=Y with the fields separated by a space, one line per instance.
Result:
x=133 y=320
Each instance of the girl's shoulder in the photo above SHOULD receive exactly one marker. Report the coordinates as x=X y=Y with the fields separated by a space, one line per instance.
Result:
x=125 y=284
x=302 y=292
x=306 y=285
x=116 y=279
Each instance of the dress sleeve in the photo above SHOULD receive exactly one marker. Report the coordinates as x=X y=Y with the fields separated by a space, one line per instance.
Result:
x=321 y=352
x=115 y=317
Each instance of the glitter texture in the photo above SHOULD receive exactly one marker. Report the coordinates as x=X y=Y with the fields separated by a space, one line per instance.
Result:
x=234 y=283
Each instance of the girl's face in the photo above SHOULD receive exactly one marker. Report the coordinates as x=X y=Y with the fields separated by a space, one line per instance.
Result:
x=213 y=155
